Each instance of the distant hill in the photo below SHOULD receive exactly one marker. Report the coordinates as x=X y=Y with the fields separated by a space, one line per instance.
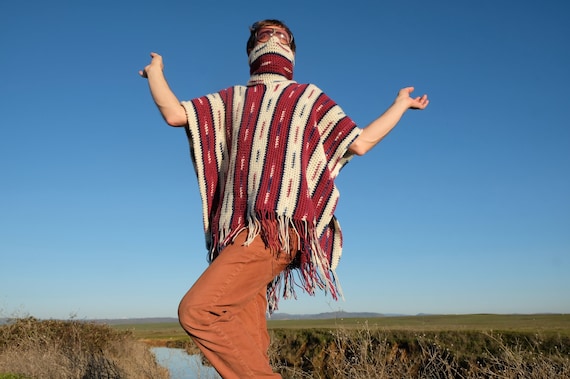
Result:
x=146 y=320
x=275 y=316
x=325 y=315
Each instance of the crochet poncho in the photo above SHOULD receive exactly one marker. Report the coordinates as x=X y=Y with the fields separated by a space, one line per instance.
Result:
x=266 y=156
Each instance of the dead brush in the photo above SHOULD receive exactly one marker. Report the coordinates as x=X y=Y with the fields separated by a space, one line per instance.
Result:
x=365 y=353
x=53 y=349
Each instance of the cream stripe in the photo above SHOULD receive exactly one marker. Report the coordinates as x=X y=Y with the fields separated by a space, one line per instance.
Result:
x=291 y=176
x=228 y=200
x=260 y=139
x=197 y=158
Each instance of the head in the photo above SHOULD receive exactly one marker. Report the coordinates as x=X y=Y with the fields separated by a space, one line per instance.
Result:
x=261 y=31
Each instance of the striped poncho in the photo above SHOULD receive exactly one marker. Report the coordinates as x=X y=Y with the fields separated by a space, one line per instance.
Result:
x=266 y=156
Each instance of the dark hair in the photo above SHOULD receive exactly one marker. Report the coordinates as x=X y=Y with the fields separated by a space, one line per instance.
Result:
x=262 y=24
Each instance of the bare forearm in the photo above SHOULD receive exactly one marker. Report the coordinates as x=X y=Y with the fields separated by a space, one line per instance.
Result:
x=167 y=103
x=378 y=129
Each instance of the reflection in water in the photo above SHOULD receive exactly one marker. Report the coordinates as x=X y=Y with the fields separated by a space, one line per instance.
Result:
x=182 y=365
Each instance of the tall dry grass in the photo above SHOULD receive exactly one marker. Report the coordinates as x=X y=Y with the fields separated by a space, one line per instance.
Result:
x=34 y=349
x=373 y=354
x=51 y=349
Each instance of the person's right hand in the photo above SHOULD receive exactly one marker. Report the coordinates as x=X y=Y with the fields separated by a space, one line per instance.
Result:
x=155 y=64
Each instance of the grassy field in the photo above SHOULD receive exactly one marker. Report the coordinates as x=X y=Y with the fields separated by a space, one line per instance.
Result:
x=430 y=346
x=559 y=324
x=545 y=324
x=154 y=331
x=418 y=347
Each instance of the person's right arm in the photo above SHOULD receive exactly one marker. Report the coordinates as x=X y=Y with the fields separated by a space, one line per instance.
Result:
x=168 y=105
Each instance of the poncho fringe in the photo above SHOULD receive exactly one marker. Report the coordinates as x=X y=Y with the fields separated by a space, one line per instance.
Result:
x=313 y=269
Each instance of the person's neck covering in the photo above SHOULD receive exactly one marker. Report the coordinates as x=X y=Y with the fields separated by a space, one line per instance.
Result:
x=271 y=61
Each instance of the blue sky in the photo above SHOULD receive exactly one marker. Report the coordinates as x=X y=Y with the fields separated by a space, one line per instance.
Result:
x=463 y=208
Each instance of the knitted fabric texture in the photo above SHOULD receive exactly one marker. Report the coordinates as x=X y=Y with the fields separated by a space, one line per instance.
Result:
x=266 y=156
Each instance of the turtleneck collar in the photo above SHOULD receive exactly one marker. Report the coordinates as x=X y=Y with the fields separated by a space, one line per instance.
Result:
x=270 y=62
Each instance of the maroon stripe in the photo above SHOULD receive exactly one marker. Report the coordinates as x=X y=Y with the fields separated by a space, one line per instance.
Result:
x=228 y=98
x=249 y=120
x=276 y=146
x=323 y=191
x=271 y=63
x=332 y=142
x=342 y=127
x=207 y=148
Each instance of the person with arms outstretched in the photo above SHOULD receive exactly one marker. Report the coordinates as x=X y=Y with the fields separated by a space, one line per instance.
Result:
x=266 y=155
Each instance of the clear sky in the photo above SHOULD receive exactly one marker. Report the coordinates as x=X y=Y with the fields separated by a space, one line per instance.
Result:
x=463 y=208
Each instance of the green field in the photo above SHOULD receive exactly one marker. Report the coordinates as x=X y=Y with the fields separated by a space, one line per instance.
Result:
x=545 y=324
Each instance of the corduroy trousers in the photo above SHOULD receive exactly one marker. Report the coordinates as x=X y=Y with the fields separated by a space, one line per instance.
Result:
x=224 y=311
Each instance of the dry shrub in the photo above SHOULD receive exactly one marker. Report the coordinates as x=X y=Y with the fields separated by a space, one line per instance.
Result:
x=525 y=358
x=53 y=349
x=364 y=353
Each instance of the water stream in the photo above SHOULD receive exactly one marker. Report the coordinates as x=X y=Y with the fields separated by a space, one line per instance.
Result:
x=183 y=366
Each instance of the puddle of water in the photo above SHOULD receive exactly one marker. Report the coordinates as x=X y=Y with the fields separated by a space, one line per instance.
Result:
x=183 y=366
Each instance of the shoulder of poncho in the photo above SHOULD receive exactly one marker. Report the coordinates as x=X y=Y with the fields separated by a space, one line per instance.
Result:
x=311 y=86
x=317 y=90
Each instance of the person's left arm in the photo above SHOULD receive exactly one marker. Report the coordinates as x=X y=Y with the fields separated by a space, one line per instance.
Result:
x=379 y=128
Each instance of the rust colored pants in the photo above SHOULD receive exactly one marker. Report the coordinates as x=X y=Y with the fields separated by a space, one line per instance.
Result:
x=224 y=311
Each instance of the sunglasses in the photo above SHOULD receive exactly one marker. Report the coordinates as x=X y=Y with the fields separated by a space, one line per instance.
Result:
x=264 y=34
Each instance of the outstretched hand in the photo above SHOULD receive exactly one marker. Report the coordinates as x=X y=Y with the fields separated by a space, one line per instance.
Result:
x=420 y=102
x=155 y=63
